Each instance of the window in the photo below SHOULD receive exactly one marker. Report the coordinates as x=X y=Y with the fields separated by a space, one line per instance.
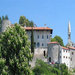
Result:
x=66 y=57
x=63 y=56
x=47 y=36
x=72 y=53
x=42 y=44
x=63 y=50
x=49 y=59
x=60 y=56
x=34 y=44
x=44 y=53
x=42 y=37
x=38 y=44
x=66 y=51
x=38 y=36
x=71 y=59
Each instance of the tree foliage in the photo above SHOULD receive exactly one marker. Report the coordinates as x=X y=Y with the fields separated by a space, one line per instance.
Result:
x=57 y=39
x=43 y=68
x=14 y=51
x=23 y=21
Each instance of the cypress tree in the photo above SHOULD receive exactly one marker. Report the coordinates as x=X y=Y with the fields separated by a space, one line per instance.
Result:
x=32 y=41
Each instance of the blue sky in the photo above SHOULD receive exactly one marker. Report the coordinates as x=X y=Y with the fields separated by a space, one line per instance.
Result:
x=54 y=13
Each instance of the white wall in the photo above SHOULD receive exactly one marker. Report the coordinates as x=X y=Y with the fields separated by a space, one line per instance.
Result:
x=65 y=57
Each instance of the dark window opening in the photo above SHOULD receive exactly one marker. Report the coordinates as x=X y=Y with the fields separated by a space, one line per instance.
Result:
x=47 y=36
x=42 y=37
x=42 y=44
x=44 y=53
x=71 y=59
x=72 y=53
x=34 y=44
x=49 y=59
x=38 y=36
x=38 y=44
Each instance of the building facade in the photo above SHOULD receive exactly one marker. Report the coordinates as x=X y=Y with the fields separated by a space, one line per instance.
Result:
x=42 y=35
x=61 y=55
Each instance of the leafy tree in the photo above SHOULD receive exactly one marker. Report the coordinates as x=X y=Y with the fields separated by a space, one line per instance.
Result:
x=15 y=52
x=58 y=39
x=6 y=17
x=25 y=22
x=32 y=41
x=64 y=69
x=42 y=68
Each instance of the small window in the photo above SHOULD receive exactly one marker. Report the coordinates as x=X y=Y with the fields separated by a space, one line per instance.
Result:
x=38 y=36
x=38 y=44
x=44 y=53
x=66 y=57
x=63 y=50
x=42 y=36
x=72 y=53
x=71 y=59
x=47 y=36
x=49 y=59
x=63 y=56
x=42 y=44
x=60 y=56
x=60 y=51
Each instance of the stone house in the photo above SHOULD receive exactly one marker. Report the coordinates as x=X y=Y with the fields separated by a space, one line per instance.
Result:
x=59 y=54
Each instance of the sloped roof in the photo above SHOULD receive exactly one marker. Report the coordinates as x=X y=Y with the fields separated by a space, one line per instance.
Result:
x=37 y=28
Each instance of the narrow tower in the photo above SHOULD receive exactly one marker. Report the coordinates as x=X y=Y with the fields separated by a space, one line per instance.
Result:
x=69 y=34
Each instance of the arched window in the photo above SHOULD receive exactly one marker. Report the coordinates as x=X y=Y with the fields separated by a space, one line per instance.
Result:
x=42 y=36
x=44 y=53
x=42 y=44
x=38 y=44
x=49 y=59
x=47 y=36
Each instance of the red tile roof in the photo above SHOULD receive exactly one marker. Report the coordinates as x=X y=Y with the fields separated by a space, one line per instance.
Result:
x=53 y=43
x=37 y=28
x=71 y=47
x=65 y=48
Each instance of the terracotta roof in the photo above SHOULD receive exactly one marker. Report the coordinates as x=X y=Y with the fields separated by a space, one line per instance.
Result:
x=72 y=47
x=37 y=28
x=53 y=43
x=65 y=48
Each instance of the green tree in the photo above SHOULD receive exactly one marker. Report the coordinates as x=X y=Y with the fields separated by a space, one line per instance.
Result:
x=57 y=39
x=23 y=21
x=32 y=41
x=6 y=17
x=14 y=50
x=43 y=68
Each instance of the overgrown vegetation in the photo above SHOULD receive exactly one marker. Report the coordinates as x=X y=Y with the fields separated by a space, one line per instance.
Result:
x=57 y=39
x=43 y=68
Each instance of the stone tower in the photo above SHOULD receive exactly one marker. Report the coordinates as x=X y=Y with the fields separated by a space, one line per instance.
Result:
x=69 y=33
x=5 y=24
